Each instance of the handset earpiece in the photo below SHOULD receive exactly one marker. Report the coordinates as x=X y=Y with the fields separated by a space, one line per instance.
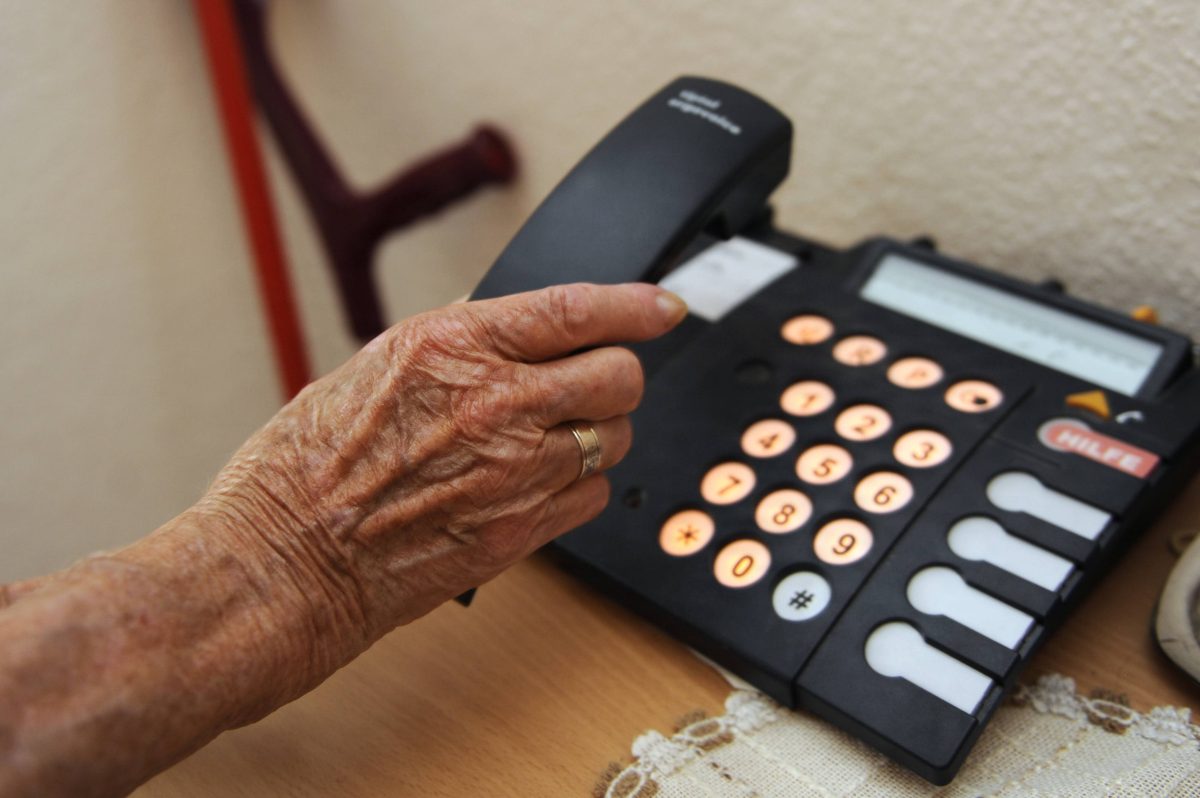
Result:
x=698 y=155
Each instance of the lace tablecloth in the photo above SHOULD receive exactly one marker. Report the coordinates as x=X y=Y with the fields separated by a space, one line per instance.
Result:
x=1045 y=741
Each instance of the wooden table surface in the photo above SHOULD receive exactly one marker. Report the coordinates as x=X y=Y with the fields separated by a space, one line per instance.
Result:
x=542 y=683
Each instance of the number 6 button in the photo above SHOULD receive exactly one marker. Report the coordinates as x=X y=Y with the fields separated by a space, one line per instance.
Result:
x=883 y=492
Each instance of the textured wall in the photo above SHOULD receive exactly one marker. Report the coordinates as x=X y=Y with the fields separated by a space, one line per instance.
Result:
x=1043 y=138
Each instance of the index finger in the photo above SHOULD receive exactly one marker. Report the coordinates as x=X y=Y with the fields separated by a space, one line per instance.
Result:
x=544 y=324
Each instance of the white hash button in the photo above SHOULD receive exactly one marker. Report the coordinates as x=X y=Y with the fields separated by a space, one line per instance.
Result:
x=801 y=596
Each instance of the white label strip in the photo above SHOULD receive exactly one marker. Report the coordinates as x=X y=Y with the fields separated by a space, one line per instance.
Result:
x=942 y=591
x=1018 y=492
x=727 y=274
x=897 y=649
x=980 y=538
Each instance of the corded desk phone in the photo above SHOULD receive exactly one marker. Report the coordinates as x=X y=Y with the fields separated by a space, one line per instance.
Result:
x=869 y=481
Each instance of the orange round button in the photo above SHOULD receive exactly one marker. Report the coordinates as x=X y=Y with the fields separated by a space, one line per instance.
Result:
x=807 y=398
x=915 y=372
x=862 y=422
x=727 y=483
x=922 y=448
x=883 y=492
x=843 y=541
x=824 y=463
x=742 y=563
x=973 y=396
x=806 y=330
x=859 y=350
x=768 y=438
x=686 y=533
x=783 y=511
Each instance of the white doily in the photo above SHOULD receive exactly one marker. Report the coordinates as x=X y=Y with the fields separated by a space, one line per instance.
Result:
x=1046 y=741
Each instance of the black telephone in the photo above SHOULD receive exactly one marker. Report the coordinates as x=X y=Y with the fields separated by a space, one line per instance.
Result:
x=872 y=483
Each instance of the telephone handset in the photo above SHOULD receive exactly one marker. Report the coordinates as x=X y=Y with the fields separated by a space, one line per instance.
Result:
x=700 y=155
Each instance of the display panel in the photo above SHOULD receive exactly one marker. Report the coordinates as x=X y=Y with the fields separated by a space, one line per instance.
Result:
x=1054 y=338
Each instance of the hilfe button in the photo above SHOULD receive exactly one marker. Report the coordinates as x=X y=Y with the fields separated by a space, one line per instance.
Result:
x=1074 y=436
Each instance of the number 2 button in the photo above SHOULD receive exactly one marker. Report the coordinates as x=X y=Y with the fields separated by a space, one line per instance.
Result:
x=862 y=423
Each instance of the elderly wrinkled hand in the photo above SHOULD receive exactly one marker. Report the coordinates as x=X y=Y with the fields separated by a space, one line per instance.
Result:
x=437 y=456
x=440 y=453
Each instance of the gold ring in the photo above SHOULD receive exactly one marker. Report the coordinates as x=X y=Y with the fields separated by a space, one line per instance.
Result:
x=589 y=447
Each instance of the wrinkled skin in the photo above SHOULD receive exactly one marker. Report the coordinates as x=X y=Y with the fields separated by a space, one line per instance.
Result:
x=428 y=463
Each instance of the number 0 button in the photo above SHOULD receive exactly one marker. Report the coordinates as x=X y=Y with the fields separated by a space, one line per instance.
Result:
x=742 y=563
x=862 y=423
x=843 y=541
x=783 y=511
x=801 y=596
x=883 y=492
x=727 y=483
x=686 y=533
x=768 y=438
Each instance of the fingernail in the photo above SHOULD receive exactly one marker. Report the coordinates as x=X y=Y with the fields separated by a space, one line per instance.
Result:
x=673 y=308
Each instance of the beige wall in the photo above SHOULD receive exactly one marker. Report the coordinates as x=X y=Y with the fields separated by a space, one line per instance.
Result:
x=1045 y=138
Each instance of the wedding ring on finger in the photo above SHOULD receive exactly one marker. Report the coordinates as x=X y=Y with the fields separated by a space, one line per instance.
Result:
x=589 y=447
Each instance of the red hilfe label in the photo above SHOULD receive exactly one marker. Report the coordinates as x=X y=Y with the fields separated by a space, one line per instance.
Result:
x=1071 y=435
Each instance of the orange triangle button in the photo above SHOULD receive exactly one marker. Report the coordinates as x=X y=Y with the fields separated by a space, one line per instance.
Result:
x=1092 y=401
